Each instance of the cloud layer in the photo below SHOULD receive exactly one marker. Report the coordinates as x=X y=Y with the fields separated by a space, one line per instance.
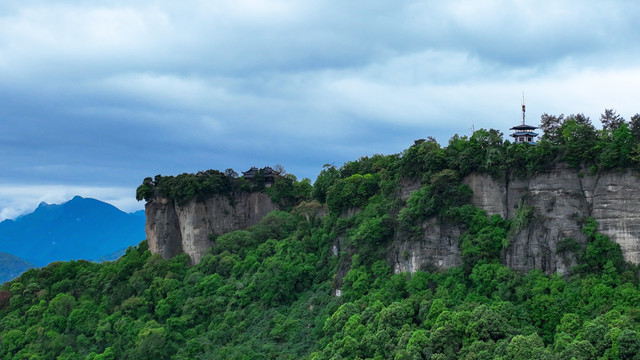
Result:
x=99 y=96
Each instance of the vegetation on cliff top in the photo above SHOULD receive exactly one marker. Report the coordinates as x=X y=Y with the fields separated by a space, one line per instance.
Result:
x=266 y=291
x=286 y=190
x=572 y=139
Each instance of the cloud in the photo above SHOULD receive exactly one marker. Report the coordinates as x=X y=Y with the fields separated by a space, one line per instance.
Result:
x=102 y=95
x=525 y=33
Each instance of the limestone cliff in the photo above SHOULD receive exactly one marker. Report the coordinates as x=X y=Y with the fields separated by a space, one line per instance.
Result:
x=438 y=247
x=557 y=202
x=173 y=229
x=560 y=200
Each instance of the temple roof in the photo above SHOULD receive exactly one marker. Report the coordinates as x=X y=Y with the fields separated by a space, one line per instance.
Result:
x=524 y=133
x=266 y=171
x=524 y=127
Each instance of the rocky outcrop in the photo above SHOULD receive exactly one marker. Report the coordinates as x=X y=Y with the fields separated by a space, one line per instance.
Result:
x=557 y=203
x=436 y=247
x=616 y=208
x=559 y=200
x=172 y=229
x=559 y=207
x=162 y=227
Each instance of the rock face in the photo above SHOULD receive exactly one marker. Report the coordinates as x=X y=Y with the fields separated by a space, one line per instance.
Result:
x=557 y=202
x=172 y=229
x=437 y=247
x=616 y=208
x=560 y=207
x=560 y=200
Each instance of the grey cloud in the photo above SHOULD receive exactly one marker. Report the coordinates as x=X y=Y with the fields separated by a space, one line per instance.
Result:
x=107 y=94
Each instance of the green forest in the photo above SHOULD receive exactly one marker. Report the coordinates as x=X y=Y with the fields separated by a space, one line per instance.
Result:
x=269 y=291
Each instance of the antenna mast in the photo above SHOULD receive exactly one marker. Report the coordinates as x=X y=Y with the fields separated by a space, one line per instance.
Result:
x=523 y=108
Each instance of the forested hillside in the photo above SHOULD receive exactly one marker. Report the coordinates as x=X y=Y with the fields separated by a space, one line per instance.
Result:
x=269 y=291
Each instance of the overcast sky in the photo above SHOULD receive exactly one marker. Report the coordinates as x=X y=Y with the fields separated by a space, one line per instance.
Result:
x=97 y=95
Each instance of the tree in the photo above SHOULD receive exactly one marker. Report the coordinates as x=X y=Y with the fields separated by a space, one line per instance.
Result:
x=526 y=347
x=579 y=349
x=628 y=345
x=62 y=305
x=231 y=173
x=617 y=152
x=279 y=169
x=12 y=341
x=422 y=158
x=151 y=342
x=600 y=250
x=634 y=127
x=327 y=177
x=351 y=192
x=550 y=125
x=579 y=139
x=145 y=191
x=418 y=346
x=611 y=120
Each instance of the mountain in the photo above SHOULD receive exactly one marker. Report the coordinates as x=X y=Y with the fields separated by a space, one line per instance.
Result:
x=82 y=228
x=484 y=249
x=11 y=266
x=138 y=213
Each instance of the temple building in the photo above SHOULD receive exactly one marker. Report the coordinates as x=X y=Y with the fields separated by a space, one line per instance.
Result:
x=524 y=133
x=266 y=174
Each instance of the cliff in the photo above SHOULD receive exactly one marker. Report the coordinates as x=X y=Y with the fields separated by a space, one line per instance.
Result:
x=558 y=202
x=174 y=229
x=550 y=209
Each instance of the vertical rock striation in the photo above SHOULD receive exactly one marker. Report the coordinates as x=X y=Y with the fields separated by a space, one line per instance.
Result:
x=437 y=247
x=616 y=208
x=172 y=229
x=550 y=209
x=559 y=200
x=559 y=209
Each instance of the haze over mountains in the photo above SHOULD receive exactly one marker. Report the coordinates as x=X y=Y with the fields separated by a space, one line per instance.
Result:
x=82 y=228
x=12 y=266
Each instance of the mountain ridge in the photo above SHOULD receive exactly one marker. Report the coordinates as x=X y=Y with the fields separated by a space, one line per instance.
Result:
x=12 y=266
x=81 y=228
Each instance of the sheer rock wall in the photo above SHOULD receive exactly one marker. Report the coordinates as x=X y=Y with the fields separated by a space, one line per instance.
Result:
x=172 y=229
x=561 y=199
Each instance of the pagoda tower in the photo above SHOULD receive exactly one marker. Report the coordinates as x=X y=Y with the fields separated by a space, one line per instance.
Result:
x=524 y=133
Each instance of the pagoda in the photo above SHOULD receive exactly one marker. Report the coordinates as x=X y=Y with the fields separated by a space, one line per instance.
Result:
x=266 y=174
x=524 y=133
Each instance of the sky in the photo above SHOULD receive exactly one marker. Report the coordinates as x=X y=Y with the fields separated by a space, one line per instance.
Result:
x=97 y=95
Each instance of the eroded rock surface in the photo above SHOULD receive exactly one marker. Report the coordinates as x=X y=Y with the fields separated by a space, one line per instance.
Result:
x=616 y=208
x=559 y=202
x=437 y=247
x=560 y=199
x=172 y=229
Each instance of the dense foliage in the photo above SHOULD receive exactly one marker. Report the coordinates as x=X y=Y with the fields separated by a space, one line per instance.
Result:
x=185 y=187
x=260 y=294
x=267 y=291
x=286 y=190
x=573 y=139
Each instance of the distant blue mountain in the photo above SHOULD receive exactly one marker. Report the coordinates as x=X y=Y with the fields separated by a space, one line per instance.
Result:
x=11 y=267
x=138 y=213
x=81 y=228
